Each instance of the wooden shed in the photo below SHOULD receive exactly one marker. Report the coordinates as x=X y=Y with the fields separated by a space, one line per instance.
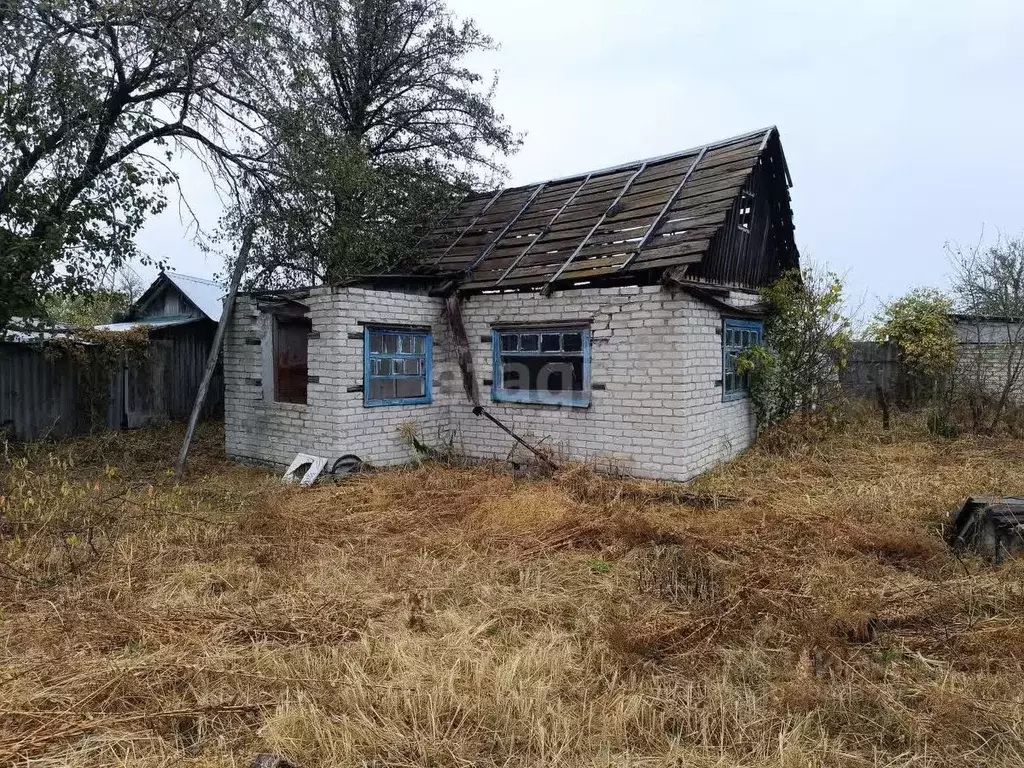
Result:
x=181 y=313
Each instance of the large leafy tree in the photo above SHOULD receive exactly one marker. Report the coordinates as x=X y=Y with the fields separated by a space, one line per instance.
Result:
x=94 y=96
x=381 y=128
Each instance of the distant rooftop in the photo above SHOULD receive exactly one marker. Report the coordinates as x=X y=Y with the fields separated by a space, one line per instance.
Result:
x=208 y=295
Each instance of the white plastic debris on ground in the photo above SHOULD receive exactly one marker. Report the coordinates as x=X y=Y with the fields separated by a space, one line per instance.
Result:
x=315 y=465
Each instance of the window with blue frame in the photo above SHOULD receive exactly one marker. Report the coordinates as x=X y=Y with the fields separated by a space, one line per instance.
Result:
x=550 y=366
x=737 y=336
x=397 y=366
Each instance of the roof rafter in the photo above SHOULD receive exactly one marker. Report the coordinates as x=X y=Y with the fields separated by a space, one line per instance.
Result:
x=665 y=209
x=544 y=230
x=614 y=206
x=469 y=226
x=506 y=228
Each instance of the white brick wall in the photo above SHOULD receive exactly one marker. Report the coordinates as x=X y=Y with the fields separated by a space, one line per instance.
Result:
x=334 y=421
x=657 y=353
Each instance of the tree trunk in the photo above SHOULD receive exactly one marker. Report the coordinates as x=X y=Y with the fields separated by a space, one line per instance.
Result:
x=218 y=340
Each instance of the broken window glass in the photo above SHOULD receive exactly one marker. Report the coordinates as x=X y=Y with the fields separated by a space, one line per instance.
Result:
x=549 y=366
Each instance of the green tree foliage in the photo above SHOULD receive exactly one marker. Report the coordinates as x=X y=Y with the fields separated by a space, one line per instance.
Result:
x=919 y=325
x=382 y=127
x=107 y=302
x=807 y=340
x=93 y=98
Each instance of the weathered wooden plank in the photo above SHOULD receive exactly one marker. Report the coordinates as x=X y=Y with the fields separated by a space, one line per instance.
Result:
x=657 y=256
x=523 y=254
x=688 y=235
x=707 y=198
x=511 y=223
x=664 y=211
x=694 y=186
x=671 y=226
x=491 y=202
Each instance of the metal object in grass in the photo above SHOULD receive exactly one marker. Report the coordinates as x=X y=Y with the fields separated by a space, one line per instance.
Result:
x=349 y=464
x=481 y=411
x=271 y=761
x=991 y=526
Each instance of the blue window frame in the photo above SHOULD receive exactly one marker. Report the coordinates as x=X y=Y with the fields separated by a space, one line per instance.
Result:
x=397 y=366
x=549 y=366
x=737 y=336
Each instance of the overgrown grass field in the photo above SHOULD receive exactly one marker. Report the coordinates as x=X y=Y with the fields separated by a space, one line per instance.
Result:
x=798 y=607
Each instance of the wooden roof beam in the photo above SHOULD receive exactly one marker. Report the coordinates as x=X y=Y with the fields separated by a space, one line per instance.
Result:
x=448 y=213
x=505 y=229
x=664 y=210
x=469 y=226
x=544 y=230
x=546 y=290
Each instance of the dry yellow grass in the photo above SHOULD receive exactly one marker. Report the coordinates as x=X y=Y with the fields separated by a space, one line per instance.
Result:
x=460 y=617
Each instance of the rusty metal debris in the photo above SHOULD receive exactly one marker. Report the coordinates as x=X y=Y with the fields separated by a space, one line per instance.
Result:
x=991 y=526
x=481 y=411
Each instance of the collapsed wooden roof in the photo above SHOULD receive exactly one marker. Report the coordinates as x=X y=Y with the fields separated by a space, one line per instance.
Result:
x=628 y=221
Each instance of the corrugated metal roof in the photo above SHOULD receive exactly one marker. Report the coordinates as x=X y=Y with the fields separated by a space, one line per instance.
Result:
x=156 y=322
x=650 y=214
x=205 y=294
x=28 y=330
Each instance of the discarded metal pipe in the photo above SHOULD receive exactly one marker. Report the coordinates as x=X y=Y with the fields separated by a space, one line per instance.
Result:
x=481 y=411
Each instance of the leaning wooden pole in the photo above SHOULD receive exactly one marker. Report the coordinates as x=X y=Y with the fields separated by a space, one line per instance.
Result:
x=218 y=341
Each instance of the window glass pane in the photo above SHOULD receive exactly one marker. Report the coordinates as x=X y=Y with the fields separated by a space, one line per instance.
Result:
x=397 y=367
x=547 y=366
x=551 y=374
x=515 y=374
x=382 y=389
x=406 y=388
x=509 y=342
x=572 y=342
x=730 y=384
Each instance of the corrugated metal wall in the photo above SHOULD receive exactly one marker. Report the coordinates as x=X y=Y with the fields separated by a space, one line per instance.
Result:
x=46 y=395
x=870 y=365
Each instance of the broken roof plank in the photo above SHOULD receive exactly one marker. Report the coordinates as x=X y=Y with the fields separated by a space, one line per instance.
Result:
x=667 y=207
x=491 y=202
x=600 y=221
x=591 y=223
x=543 y=231
x=504 y=231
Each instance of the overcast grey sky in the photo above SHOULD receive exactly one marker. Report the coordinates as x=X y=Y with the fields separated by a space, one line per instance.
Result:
x=901 y=120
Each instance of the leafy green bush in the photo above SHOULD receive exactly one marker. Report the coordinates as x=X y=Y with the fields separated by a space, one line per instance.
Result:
x=920 y=326
x=807 y=339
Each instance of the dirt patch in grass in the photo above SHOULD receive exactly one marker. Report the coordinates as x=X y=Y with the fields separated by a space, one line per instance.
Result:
x=794 y=608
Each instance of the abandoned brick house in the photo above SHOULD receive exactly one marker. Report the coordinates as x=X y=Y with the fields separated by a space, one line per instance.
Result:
x=603 y=314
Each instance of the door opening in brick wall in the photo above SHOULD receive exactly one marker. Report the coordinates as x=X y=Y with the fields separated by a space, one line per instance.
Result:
x=291 y=358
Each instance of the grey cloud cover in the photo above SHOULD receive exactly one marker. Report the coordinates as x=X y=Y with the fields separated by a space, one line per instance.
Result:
x=901 y=121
